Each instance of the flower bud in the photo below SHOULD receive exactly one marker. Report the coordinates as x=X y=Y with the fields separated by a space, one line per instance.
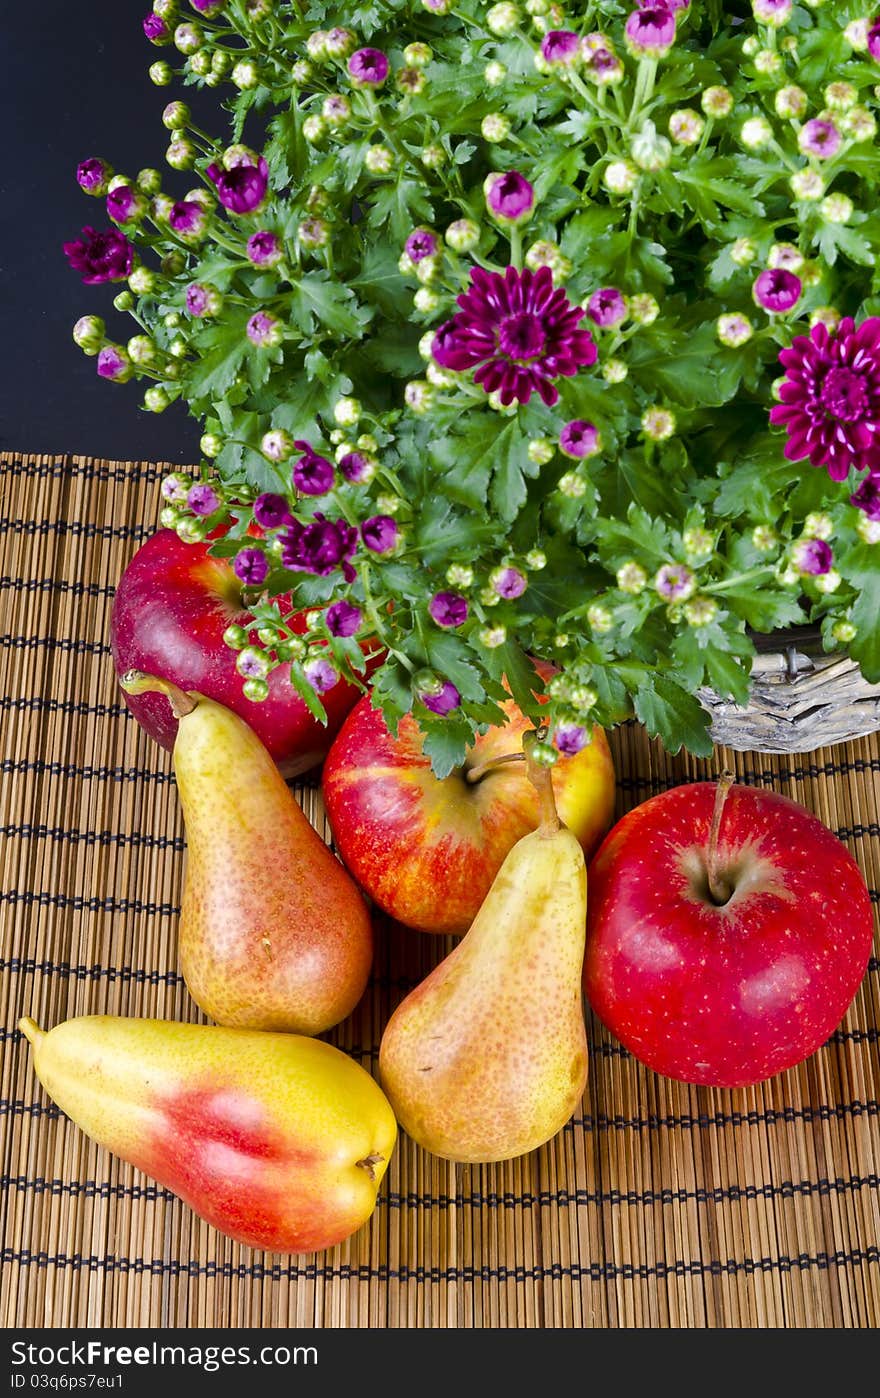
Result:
x=828 y=582
x=828 y=316
x=181 y=154
x=410 y=81
x=88 y=333
x=700 y=611
x=649 y=150
x=200 y=63
x=492 y=636
x=141 y=349
x=541 y=450
x=837 y=208
x=614 y=371
x=717 y=101
x=765 y=539
x=417 y=55
x=807 y=185
x=336 y=110
x=495 y=127
x=620 y=177
x=463 y=235
x=535 y=560
x=856 y=34
x=840 y=96
x=168 y=517
x=643 y=309
x=459 y=575
x=188 y=38
x=379 y=160
x=161 y=73
x=734 y=330
x=658 y=424
x=173 y=263
x=301 y=72
x=156 y=399
x=572 y=486
x=246 y=75
x=790 y=102
x=314 y=129
x=176 y=116
x=347 y=412
x=494 y=73
x=686 y=127
x=699 y=545
x=114 y=364
x=433 y=157
x=211 y=444
x=276 y=445
x=858 y=124
x=123 y=301
x=756 y=133
x=313 y=233
x=191 y=530
x=503 y=19
x=339 y=43
x=426 y=300
x=844 y=631
x=743 y=251
x=599 y=619
x=256 y=690
x=419 y=396
x=768 y=62
x=632 y=578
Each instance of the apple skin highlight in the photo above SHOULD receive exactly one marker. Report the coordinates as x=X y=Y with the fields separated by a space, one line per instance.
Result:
x=724 y=995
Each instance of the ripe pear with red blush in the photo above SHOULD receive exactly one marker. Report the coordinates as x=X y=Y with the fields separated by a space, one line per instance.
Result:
x=274 y=932
x=278 y=1140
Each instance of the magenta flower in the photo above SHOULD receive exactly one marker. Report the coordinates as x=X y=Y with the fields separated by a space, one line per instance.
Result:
x=343 y=619
x=420 y=244
x=606 y=307
x=156 y=29
x=125 y=204
x=319 y=547
x=650 y=31
x=509 y=197
x=819 y=138
x=264 y=249
x=874 y=40
x=518 y=332
x=312 y=474
x=441 y=701
x=203 y=500
x=188 y=217
x=560 y=47
x=570 y=738
x=830 y=396
x=812 y=557
x=356 y=467
x=380 y=533
x=207 y=7
x=271 y=511
x=448 y=608
x=93 y=176
x=368 y=68
x=867 y=497
x=579 y=439
x=509 y=583
x=100 y=257
x=202 y=300
x=113 y=364
x=321 y=675
x=674 y=5
x=242 y=189
x=674 y=581
x=777 y=290
x=264 y=331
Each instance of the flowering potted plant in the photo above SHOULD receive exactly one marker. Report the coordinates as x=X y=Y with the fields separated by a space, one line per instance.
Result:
x=517 y=333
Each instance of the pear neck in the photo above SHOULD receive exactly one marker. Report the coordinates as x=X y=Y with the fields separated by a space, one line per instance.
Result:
x=136 y=682
x=541 y=778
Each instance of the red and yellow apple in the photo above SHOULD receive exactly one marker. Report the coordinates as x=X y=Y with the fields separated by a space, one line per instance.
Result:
x=172 y=605
x=427 y=850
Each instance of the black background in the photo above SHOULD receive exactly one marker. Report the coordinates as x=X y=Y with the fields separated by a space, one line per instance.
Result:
x=75 y=84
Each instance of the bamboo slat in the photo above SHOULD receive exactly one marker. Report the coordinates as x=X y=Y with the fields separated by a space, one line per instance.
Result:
x=658 y=1205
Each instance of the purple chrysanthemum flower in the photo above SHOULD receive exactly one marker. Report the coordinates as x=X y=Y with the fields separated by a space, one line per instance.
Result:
x=251 y=567
x=570 y=738
x=356 y=467
x=518 y=331
x=776 y=290
x=156 y=29
x=509 y=583
x=201 y=300
x=560 y=47
x=650 y=31
x=203 y=500
x=819 y=138
x=867 y=497
x=812 y=557
x=94 y=175
x=441 y=701
x=674 y=582
x=100 y=256
x=264 y=330
x=607 y=307
x=271 y=511
x=321 y=675
x=874 y=40
x=264 y=249
x=420 y=244
x=674 y=5
x=579 y=439
x=125 y=204
x=242 y=189
x=312 y=474
x=207 y=7
x=380 y=534
x=343 y=619
x=319 y=547
x=188 y=217
x=448 y=608
x=368 y=68
x=830 y=397
x=509 y=197
x=766 y=11
x=114 y=364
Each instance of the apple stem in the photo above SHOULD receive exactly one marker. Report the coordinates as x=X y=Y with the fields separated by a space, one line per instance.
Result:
x=542 y=780
x=474 y=773
x=136 y=682
x=719 y=889
x=369 y=1164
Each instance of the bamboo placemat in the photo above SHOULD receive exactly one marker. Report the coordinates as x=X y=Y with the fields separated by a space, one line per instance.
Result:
x=658 y=1205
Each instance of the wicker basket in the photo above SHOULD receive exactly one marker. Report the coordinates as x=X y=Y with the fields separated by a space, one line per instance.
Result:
x=800 y=698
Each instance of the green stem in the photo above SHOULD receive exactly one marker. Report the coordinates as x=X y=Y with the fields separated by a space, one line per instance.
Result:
x=645 y=78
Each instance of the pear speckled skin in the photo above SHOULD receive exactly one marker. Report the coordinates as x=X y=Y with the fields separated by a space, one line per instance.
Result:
x=274 y=932
x=487 y=1058
x=278 y=1140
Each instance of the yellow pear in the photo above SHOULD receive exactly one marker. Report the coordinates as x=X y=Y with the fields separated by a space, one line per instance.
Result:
x=274 y=932
x=487 y=1058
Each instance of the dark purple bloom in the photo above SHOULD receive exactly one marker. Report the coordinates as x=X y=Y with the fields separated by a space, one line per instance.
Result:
x=831 y=397
x=874 y=40
x=356 y=467
x=420 y=244
x=321 y=675
x=812 y=556
x=100 y=256
x=521 y=332
x=777 y=290
x=560 y=46
x=368 y=68
x=319 y=547
x=200 y=299
x=380 y=533
x=673 y=5
x=264 y=249
x=570 y=738
x=94 y=175
x=156 y=29
x=448 y=608
x=867 y=497
x=343 y=619
x=312 y=474
x=606 y=307
x=509 y=583
x=509 y=197
x=113 y=364
x=203 y=500
x=207 y=7
x=271 y=511
x=242 y=189
x=579 y=439
x=264 y=330
x=650 y=31
x=251 y=567
x=443 y=701
x=125 y=204
x=188 y=217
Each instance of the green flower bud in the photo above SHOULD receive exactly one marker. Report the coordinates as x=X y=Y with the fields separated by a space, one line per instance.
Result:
x=426 y=300
x=256 y=690
x=246 y=75
x=632 y=578
x=463 y=235
x=818 y=525
x=658 y=424
x=176 y=116
x=649 y=150
x=347 y=412
x=545 y=755
x=541 y=450
x=700 y=611
x=765 y=539
x=844 y=631
x=494 y=73
x=495 y=127
x=492 y=636
x=614 y=371
x=459 y=575
x=379 y=160
x=573 y=486
x=620 y=177
x=599 y=618
x=149 y=181
x=168 y=517
x=211 y=445
x=535 y=560
x=161 y=73
x=433 y=157
x=191 y=530
x=181 y=154
x=252 y=663
x=89 y=333
x=417 y=55
x=503 y=19
x=173 y=263
x=141 y=349
x=314 y=129
x=156 y=400
x=200 y=63
x=123 y=301
x=188 y=38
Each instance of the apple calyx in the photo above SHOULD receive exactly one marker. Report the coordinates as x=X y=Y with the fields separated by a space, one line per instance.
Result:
x=136 y=682
x=720 y=888
x=542 y=780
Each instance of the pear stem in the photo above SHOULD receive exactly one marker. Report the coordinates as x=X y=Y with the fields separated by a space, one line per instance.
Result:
x=542 y=780
x=136 y=682
x=30 y=1029
x=475 y=773
x=719 y=889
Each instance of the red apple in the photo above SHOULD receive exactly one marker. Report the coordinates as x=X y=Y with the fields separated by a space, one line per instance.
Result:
x=426 y=850
x=172 y=605
x=729 y=987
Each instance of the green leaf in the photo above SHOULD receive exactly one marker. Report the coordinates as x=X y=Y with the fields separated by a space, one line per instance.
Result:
x=727 y=675
x=446 y=741
x=215 y=372
x=316 y=299
x=860 y=565
x=674 y=716
x=307 y=694
x=761 y=607
x=453 y=659
x=510 y=662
